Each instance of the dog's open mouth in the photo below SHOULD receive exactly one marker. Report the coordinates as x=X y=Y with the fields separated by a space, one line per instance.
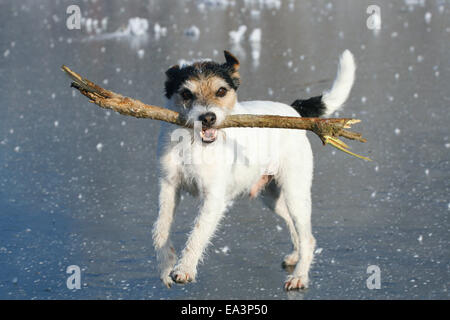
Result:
x=208 y=135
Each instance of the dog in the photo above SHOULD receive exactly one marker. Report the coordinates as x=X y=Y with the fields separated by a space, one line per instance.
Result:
x=220 y=164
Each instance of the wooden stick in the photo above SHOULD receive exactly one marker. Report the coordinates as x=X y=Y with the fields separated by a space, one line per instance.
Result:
x=328 y=130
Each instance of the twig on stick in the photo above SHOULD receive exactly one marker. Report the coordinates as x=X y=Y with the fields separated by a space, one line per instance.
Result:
x=328 y=130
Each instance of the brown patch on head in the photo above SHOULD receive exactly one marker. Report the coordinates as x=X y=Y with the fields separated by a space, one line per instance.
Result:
x=203 y=71
x=211 y=90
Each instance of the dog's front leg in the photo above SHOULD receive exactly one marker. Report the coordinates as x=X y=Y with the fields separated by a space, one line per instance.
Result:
x=165 y=253
x=206 y=223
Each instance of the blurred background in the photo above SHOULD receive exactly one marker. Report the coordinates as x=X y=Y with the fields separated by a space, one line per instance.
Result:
x=78 y=184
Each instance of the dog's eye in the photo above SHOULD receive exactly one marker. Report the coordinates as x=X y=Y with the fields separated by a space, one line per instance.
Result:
x=186 y=95
x=221 y=92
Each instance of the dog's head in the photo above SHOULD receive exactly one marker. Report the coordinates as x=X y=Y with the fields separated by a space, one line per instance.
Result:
x=204 y=91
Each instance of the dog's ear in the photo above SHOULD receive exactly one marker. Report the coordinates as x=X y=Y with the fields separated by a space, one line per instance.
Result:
x=172 y=72
x=233 y=65
x=171 y=84
x=231 y=60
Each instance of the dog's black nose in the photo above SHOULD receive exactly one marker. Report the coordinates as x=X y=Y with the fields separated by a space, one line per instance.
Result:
x=208 y=119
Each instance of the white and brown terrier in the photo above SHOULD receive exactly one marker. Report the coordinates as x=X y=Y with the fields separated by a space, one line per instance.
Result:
x=219 y=165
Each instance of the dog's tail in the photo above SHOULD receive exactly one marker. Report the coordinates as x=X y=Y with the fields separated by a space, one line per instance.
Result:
x=331 y=100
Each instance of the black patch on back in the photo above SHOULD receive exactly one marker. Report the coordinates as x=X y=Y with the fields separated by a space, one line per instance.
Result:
x=310 y=108
x=176 y=76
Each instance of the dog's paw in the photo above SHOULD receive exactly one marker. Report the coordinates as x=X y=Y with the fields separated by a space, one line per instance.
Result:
x=167 y=280
x=296 y=283
x=290 y=259
x=182 y=276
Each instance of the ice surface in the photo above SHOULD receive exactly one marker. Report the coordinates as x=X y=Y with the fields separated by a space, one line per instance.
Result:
x=192 y=31
x=137 y=26
x=159 y=31
x=237 y=36
x=225 y=250
x=255 y=43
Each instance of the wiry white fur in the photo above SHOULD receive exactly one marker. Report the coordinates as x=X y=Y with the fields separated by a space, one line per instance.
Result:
x=338 y=94
x=229 y=167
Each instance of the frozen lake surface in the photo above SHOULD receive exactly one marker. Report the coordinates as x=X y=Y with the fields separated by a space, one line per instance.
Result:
x=78 y=185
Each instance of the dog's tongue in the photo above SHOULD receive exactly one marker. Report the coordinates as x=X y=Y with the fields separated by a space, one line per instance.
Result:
x=209 y=133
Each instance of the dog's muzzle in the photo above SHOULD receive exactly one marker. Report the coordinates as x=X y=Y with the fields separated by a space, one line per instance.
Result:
x=208 y=133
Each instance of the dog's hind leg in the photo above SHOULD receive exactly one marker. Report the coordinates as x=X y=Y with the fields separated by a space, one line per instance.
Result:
x=299 y=279
x=282 y=210
x=165 y=253
x=274 y=199
x=295 y=185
